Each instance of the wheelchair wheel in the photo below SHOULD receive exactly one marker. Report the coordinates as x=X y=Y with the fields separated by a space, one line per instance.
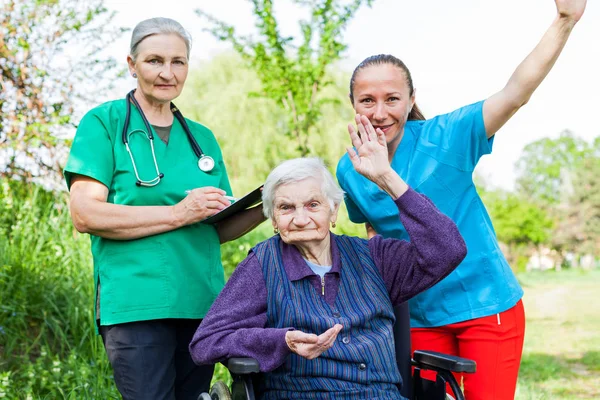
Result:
x=220 y=391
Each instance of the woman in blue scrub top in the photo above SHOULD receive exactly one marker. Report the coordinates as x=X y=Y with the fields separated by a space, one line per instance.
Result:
x=476 y=312
x=156 y=269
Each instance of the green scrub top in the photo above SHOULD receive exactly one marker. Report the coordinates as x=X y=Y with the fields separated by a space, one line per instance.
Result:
x=176 y=274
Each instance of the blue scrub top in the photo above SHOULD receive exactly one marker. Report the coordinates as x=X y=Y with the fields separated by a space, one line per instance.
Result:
x=437 y=157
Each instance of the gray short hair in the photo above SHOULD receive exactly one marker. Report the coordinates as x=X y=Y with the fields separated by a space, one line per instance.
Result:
x=296 y=170
x=157 y=26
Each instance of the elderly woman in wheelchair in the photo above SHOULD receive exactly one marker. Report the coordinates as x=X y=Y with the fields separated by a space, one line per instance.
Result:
x=315 y=309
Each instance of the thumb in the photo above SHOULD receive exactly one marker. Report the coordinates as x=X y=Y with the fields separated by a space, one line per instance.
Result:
x=353 y=156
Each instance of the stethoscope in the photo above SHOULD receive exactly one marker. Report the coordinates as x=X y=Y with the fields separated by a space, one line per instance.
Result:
x=205 y=163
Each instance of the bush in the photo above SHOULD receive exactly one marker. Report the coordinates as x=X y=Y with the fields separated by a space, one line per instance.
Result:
x=47 y=338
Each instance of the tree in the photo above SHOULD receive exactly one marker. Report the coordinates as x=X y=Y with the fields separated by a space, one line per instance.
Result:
x=247 y=127
x=50 y=61
x=518 y=223
x=578 y=228
x=293 y=76
x=545 y=165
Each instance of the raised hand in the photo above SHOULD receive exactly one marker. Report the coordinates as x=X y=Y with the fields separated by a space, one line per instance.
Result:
x=571 y=9
x=309 y=345
x=370 y=158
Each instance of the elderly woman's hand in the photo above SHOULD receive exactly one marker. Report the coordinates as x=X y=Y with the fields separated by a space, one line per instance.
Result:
x=371 y=155
x=200 y=204
x=370 y=158
x=309 y=345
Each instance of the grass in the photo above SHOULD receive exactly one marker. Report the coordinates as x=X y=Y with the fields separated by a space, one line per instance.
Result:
x=561 y=357
x=48 y=348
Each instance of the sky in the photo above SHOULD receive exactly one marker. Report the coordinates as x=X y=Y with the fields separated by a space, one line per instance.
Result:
x=458 y=52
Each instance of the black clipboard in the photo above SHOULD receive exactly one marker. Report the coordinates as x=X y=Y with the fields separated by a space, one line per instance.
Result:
x=241 y=204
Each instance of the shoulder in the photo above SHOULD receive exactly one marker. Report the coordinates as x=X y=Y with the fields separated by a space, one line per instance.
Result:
x=350 y=241
x=454 y=117
x=346 y=174
x=344 y=165
x=104 y=115
x=199 y=129
x=107 y=109
x=265 y=244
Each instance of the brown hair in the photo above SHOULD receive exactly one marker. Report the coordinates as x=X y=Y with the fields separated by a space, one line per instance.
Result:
x=381 y=59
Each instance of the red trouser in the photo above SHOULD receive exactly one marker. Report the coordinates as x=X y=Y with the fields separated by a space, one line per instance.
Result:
x=494 y=342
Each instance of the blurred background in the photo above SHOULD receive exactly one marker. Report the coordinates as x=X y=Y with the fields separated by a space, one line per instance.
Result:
x=272 y=94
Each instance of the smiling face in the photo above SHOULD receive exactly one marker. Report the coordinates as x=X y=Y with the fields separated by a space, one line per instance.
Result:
x=161 y=67
x=302 y=213
x=382 y=94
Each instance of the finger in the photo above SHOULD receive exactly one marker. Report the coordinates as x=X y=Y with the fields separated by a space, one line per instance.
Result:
x=330 y=341
x=381 y=137
x=328 y=334
x=369 y=128
x=361 y=129
x=354 y=158
x=209 y=189
x=215 y=206
x=304 y=338
x=214 y=198
x=356 y=141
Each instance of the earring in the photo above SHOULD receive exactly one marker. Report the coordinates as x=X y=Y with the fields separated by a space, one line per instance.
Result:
x=275 y=231
x=134 y=75
x=333 y=224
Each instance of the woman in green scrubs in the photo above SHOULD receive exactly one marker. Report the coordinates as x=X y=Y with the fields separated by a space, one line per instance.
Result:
x=156 y=269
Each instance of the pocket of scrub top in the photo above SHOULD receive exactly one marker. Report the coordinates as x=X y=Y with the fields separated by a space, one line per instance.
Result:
x=134 y=277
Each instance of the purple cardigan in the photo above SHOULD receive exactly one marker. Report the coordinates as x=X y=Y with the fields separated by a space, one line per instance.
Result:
x=235 y=324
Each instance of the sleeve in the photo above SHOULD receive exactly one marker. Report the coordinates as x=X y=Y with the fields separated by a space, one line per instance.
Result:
x=459 y=137
x=435 y=249
x=92 y=151
x=235 y=324
x=354 y=212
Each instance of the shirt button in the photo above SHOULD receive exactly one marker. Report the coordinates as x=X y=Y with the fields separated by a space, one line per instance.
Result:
x=362 y=366
x=337 y=314
x=346 y=340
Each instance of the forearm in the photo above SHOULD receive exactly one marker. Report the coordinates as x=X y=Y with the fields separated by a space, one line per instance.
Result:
x=500 y=107
x=238 y=225
x=120 y=222
x=391 y=183
x=435 y=249
x=532 y=71
x=266 y=345
x=235 y=325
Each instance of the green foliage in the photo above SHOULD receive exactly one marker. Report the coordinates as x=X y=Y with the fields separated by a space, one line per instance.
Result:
x=47 y=339
x=293 y=76
x=49 y=50
x=247 y=127
x=562 y=176
x=579 y=216
x=545 y=165
x=516 y=220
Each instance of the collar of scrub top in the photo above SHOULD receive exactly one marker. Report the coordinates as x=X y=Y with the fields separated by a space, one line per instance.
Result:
x=205 y=163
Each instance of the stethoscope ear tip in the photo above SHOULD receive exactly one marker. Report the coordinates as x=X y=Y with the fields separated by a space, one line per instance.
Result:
x=161 y=175
x=138 y=183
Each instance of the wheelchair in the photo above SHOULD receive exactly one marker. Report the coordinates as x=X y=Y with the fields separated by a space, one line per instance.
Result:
x=246 y=375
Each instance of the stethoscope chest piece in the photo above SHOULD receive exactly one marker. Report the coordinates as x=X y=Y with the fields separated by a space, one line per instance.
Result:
x=206 y=163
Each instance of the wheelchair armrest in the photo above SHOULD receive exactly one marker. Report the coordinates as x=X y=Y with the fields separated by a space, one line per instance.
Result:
x=434 y=360
x=242 y=365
